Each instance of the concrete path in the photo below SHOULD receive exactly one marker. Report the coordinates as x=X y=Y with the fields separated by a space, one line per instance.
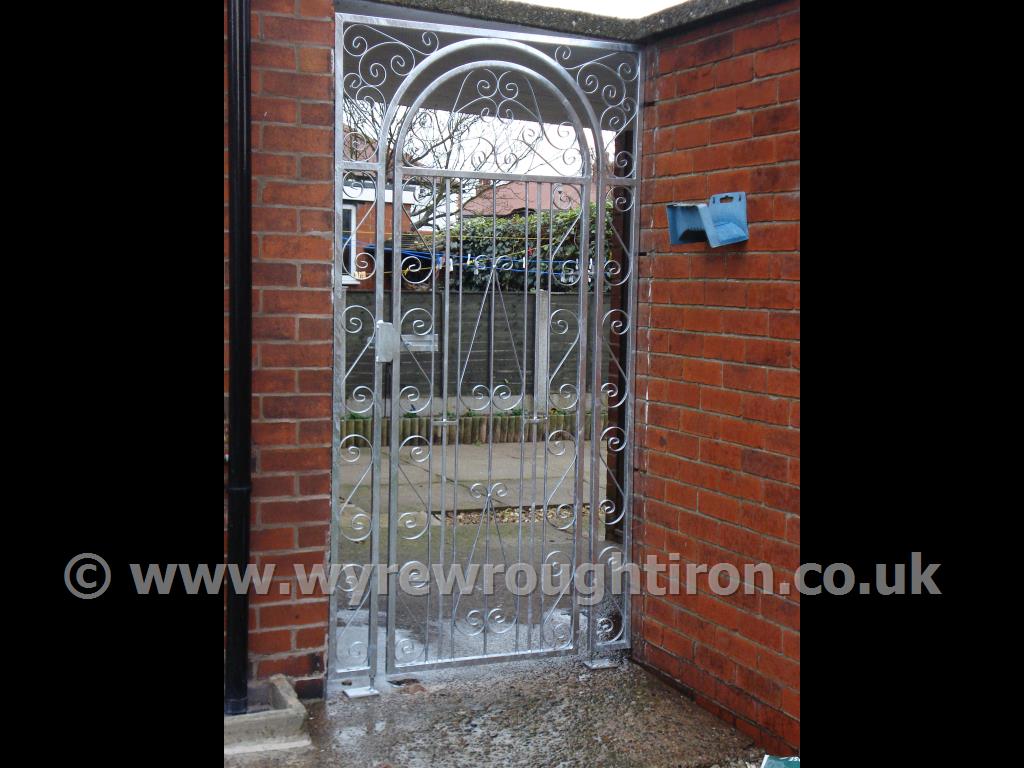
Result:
x=545 y=713
x=529 y=474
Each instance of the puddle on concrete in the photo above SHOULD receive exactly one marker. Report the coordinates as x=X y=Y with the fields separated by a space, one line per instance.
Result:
x=542 y=713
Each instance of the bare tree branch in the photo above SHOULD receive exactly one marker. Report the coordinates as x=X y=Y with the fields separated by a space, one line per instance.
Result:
x=441 y=140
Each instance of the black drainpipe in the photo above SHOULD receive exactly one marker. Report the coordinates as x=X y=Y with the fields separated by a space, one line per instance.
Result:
x=239 y=489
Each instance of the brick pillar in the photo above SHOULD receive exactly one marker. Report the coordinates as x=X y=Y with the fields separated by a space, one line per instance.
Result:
x=293 y=199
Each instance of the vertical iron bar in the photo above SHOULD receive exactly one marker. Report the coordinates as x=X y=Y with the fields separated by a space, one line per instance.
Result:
x=595 y=383
x=446 y=319
x=458 y=404
x=523 y=432
x=583 y=296
x=394 y=376
x=438 y=335
x=432 y=333
x=488 y=512
x=378 y=414
x=544 y=361
x=239 y=488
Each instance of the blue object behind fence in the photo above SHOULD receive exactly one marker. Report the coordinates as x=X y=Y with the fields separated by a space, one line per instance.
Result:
x=720 y=221
x=771 y=761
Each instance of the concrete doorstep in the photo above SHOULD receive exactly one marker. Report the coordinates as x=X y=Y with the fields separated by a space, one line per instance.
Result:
x=276 y=720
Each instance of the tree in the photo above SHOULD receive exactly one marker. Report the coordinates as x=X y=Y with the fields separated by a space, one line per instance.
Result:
x=439 y=140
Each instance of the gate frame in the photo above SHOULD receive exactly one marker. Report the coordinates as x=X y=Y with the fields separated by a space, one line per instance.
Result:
x=488 y=39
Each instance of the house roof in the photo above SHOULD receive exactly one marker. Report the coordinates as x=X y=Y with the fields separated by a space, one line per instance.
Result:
x=510 y=199
x=497 y=12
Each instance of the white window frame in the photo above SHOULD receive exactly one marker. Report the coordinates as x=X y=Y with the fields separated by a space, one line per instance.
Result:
x=348 y=275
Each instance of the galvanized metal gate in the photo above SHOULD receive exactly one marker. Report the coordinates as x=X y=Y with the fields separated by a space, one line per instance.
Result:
x=484 y=317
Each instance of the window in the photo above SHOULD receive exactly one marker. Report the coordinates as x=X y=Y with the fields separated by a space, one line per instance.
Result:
x=349 y=275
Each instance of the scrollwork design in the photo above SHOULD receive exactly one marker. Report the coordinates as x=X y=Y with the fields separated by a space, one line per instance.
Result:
x=500 y=398
x=351 y=654
x=611 y=556
x=351 y=575
x=565 y=397
x=616 y=438
x=610 y=626
x=566 y=197
x=407 y=649
x=371 y=58
x=498 y=621
x=419 y=452
x=349 y=450
x=412 y=401
x=558 y=629
x=420 y=321
x=354 y=319
x=618 y=255
x=355 y=527
x=412 y=524
x=491 y=492
x=569 y=273
x=505 y=263
x=612 y=79
x=378 y=55
x=353 y=323
x=354 y=522
x=362 y=399
x=621 y=198
x=618 y=321
x=561 y=517
x=415 y=271
x=608 y=512
x=509 y=132
x=556 y=442
x=611 y=392
x=472 y=624
x=559 y=322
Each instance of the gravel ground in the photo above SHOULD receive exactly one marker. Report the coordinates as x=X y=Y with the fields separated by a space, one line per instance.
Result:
x=544 y=713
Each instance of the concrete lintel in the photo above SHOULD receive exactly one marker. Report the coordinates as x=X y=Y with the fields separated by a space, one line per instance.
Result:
x=670 y=20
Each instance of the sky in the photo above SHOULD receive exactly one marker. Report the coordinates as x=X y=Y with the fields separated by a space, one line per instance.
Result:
x=634 y=9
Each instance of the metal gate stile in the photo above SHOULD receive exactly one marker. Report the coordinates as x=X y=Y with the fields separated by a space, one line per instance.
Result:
x=484 y=302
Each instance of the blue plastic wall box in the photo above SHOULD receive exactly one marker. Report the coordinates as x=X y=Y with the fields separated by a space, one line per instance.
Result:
x=720 y=221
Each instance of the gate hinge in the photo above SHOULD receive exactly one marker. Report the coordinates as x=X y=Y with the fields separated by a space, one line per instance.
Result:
x=386 y=343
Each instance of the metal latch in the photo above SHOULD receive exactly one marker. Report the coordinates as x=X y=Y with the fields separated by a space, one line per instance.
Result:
x=386 y=343
x=416 y=343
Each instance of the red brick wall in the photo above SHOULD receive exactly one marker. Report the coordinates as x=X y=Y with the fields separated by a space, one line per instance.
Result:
x=293 y=219
x=718 y=409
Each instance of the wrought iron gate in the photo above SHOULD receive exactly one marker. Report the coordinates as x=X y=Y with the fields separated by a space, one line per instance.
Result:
x=484 y=317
